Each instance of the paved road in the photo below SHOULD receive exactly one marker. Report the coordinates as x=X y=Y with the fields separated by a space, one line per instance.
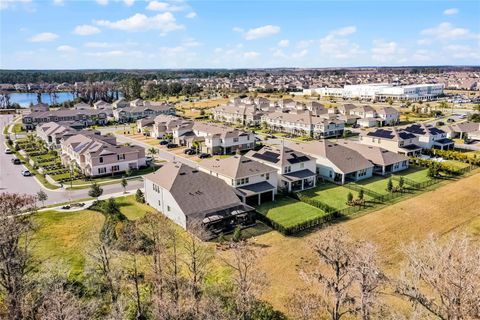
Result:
x=12 y=181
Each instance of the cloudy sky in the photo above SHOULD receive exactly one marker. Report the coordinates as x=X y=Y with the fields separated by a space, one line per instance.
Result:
x=66 y=34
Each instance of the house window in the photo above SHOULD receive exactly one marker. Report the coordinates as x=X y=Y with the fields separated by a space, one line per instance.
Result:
x=115 y=168
x=302 y=165
x=168 y=208
x=120 y=156
x=267 y=176
x=159 y=203
x=102 y=170
x=101 y=160
x=288 y=169
x=235 y=139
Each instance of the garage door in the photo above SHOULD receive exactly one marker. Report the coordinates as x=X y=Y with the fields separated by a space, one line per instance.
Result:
x=266 y=196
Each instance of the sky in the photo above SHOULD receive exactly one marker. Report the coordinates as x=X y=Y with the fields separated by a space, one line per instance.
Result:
x=140 y=34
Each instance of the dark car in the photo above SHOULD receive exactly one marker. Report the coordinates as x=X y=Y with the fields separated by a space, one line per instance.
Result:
x=189 y=151
x=16 y=161
x=204 y=155
x=163 y=142
x=172 y=145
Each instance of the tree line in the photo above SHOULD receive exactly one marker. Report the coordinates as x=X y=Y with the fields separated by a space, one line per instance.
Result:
x=61 y=76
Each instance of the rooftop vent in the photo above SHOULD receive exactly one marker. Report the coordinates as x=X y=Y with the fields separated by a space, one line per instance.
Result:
x=182 y=173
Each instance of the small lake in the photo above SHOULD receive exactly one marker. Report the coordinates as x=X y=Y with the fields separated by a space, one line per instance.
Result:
x=24 y=99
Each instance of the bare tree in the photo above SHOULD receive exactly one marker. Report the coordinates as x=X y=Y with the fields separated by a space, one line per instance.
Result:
x=15 y=258
x=304 y=305
x=443 y=276
x=110 y=276
x=369 y=280
x=333 y=278
x=248 y=280
x=61 y=304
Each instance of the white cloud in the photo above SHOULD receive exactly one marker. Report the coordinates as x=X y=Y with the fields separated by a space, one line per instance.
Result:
x=463 y=52
x=190 y=42
x=98 y=45
x=191 y=15
x=450 y=12
x=102 y=2
x=386 y=51
x=44 y=37
x=422 y=55
x=446 y=31
x=164 y=22
x=165 y=6
x=6 y=4
x=259 y=32
x=251 y=55
x=66 y=49
x=424 y=42
x=283 y=43
x=300 y=54
x=337 y=45
x=85 y=30
x=58 y=2
x=115 y=53
x=129 y=3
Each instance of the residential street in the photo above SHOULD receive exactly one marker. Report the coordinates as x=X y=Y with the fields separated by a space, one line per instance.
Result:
x=11 y=179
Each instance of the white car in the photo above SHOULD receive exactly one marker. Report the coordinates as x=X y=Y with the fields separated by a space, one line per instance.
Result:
x=8 y=151
x=26 y=173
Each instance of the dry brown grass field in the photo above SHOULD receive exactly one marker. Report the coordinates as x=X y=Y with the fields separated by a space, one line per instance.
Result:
x=454 y=206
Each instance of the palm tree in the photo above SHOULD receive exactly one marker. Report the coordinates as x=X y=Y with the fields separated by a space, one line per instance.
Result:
x=152 y=152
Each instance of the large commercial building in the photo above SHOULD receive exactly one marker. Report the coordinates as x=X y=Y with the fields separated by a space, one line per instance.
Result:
x=382 y=91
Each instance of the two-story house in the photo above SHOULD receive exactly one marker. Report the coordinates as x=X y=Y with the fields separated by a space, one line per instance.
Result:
x=394 y=140
x=100 y=155
x=195 y=200
x=295 y=170
x=254 y=182
x=86 y=117
x=430 y=137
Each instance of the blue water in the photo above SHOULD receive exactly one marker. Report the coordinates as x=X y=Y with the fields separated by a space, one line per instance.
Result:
x=24 y=99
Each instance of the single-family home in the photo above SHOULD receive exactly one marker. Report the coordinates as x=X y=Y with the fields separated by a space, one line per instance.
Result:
x=295 y=170
x=394 y=140
x=196 y=200
x=464 y=130
x=335 y=162
x=430 y=137
x=254 y=182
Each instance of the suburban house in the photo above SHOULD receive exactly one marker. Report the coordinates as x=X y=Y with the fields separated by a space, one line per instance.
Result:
x=464 y=130
x=120 y=103
x=53 y=132
x=100 y=155
x=213 y=138
x=295 y=170
x=145 y=125
x=335 y=162
x=244 y=114
x=394 y=140
x=164 y=124
x=430 y=137
x=254 y=182
x=39 y=107
x=129 y=114
x=102 y=105
x=385 y=162
x=86 y=117
x=196 y=200
x=388 y=116
x=367 y=116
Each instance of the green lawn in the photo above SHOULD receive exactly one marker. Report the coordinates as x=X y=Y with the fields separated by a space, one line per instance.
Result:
x=377 y=184
x=289 y=212
x=131 y=208
x=332 y=195
x=62 y=238
x=417 y=174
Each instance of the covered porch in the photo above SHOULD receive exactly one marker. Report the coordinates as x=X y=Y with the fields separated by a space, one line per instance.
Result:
x=298 y=180
x=443 y=144
x=225 y=220
x=411 y=150
x=257 y=193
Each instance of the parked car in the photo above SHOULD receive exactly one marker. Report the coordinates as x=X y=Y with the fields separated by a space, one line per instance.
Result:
x=16 y=161
x=163 y=142
x=204 y=155
x=26 y=173
x=172 y=145
x=148 y=159
x=450 y=120
x=190 y=151
x=8 y=151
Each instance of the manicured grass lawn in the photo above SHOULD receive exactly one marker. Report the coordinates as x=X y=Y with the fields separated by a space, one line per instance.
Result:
x=332 y=195
x=131 y=208
x=289 y=212
x=415 y=173
x=377 y=184
x=17 y=128
x=62 y=238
